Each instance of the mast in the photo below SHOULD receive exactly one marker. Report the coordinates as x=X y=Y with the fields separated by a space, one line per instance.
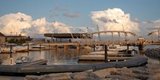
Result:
x=98 y=33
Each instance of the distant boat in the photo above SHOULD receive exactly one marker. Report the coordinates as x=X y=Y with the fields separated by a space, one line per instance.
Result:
x=22 y=59
x=20 y=48
x=38 y=46
x=6 y=50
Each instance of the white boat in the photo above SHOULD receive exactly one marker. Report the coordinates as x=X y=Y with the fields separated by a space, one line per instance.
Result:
x=114 y=49
x=38 y=46
x=22 y=59
x=6 y=50
x=20 y=48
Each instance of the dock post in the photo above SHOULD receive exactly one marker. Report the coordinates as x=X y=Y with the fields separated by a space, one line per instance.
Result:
x=106 y=54
x=78 y=49
x=40 y=47
x=28 y=49
x=140 y=48
x=94 y=46
x=127 y=46
x=56 y=49
x=49 y=46
x=11 y=51
x=65 y=48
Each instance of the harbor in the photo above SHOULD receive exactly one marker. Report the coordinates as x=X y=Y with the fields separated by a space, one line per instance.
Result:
x=79 y=40
x=55 y=56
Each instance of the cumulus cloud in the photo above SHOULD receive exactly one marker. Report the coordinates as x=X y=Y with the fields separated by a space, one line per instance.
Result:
x=14 y=23
x=114 y=19
x=59 y=27
x=110 y=19
x=20 y=23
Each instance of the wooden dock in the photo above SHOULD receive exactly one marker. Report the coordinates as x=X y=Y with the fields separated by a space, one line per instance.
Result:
x=101 y=58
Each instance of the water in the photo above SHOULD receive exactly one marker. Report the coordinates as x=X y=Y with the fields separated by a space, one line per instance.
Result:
x=53 y=57
x=62 y=58
x=151 y=46
x=50 y=55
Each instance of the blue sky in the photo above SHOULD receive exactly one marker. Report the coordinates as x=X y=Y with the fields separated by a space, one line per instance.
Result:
x=60 y=10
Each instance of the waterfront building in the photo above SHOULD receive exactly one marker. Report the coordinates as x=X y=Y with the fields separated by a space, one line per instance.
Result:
x=2 y=38
x=66 y=37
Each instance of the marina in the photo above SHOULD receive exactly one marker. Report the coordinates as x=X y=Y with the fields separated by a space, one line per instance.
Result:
x=58 y=55
x=74 y=54
x=79 y=40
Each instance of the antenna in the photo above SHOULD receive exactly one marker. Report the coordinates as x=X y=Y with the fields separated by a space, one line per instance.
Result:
x=98 y=33
x=125 y=34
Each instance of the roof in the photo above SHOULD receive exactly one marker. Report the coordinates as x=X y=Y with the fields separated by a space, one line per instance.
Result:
x=67 y=35
x=15 y=36
x=1 y=34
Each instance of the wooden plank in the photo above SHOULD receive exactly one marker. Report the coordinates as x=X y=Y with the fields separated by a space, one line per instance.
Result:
x=100 y=57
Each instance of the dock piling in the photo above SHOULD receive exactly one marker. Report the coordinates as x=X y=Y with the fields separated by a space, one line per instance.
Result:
x=106 y=54
x=78 y=49
x=11 y=50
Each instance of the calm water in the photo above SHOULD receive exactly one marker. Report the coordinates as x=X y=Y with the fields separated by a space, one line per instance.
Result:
x=50 y=55
x=151 y=46
x=53 y=58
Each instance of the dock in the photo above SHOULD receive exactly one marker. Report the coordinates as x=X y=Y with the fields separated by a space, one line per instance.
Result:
x=101 y=58
x=42 y=69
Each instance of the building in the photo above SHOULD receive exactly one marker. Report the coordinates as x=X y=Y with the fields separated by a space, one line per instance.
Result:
x=63 y=37
x=2 y=38
x=18 y=39
x=15 y=37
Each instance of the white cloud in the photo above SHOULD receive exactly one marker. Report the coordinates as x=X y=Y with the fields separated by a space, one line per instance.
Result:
x=59 y=27
x=17 y=23
x=114 y=19
x=14 y=23
x=110 y=19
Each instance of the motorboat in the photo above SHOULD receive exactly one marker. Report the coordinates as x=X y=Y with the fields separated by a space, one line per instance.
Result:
x=22 y=59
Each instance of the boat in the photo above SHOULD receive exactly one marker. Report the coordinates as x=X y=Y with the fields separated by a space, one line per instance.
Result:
x=22 y=59
x=114 y=53
x=20 y=48
x=38 y=46
x=6 y=50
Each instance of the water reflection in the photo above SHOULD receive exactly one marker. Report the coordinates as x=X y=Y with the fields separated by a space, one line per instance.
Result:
x=151 y=46
x=50 y=55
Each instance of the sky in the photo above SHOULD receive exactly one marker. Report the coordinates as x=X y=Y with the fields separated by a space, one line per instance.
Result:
x=79 y=13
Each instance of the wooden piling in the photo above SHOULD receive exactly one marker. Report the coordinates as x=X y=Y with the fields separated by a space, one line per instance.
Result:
x=40 y=47
x=49 y=46
x=94 y=46
x=56 y=49
x=11 y=50
x=106 y=54
x=127 y=46
x=28 y=47
x=78 y=49
x=65 y=48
